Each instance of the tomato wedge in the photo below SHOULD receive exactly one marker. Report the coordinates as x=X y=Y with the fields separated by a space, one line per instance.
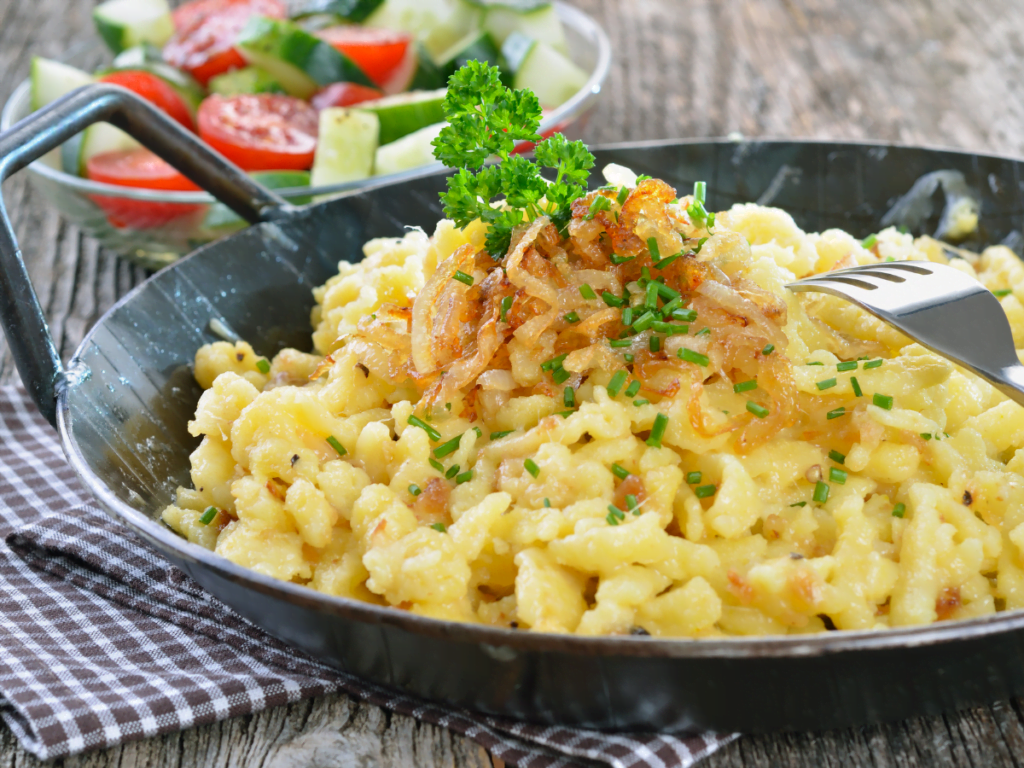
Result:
x=260 y=131
x=141 y=169
x=378 y=52
x=154 y=90
x=205 y=33
x=344 y=95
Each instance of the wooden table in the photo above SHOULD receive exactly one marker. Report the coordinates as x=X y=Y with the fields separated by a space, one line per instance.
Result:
x=935 y=72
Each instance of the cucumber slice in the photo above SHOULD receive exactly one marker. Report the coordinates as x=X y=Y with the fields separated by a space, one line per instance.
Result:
x=137 y=56
x=542 y=24
x=428 y=76
x=300 y=62
x=52 y=79
x=100 y=138
x=417 y=17
x=477 y=45
x=126 y=23
x=245 y=80
x=406 y=113
x=346 y=10
x=463 y=19
x=345 y=147
x=409 y=152
x=221 y=220
x=545 y=71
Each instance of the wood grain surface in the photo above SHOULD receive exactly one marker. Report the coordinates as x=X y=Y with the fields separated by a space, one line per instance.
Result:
x=936 y=72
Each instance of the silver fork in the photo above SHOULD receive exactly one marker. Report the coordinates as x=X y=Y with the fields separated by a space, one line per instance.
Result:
x=938 y=306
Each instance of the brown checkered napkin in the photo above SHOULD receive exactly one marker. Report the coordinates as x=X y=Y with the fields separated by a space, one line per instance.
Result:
x=102 y=641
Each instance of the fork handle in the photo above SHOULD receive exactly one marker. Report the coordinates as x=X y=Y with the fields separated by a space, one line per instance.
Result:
x=1009 y=381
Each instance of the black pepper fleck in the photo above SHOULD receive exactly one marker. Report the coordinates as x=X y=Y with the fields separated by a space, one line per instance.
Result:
x=827 y=622
x=639 y=631
x=295 y=458
x=240 y=356
x=513 y=625
x=968 y=499
x=795 y=556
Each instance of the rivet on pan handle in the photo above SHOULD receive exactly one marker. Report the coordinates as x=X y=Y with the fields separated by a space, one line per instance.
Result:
x=23 y=320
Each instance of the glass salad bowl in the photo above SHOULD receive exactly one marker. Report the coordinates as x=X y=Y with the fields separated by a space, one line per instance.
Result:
x=154 y=228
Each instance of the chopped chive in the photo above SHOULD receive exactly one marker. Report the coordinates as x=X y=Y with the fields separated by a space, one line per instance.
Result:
x=450 y=447
x=882 y=401
x=620 y=471
x=416 y=421
x=658 y=430
x=571 y=317
x=926 y=436
x=621 y=259
x=479 y=432
x=869 y=241
x=453 y=470
x=660 y=326
x=336 y=445
x=837 y=475
x=652 y=246
x=813 y=362
x=587 y=292
x=847 y=366
x=531 y=467
x=560 y=375
x=611 y=299
x=666 y=293
x=631 y=502
x=699 y=190
x=768 y=349
x=263 y=365
x=671 y=306
x=506 y=305
x=448 y=406
x=690 y=356
x=611 y=519
x=616 y=512
x=651 y=299
x=620 y=343
x=569 y=397
x=462 y=277
x=439 y=527
x=600 y=203
x=1003 y=292
x=826 y=384
x=899 y=510
x=757 y=409
x=208 y=515
x=856 y=386
x=685 y=315
x=627 y=316
x=436 y=465
x=626 y=334
x=627 y=357
x=554 y=362
x=700 y=244
x=465 y=477
x=645 y=274
x=547 y=502
x=703 y=332
x=638 y=403
x=643 y=322
x=633 y=388
x=799 y=504
x=873 y=364
x=666 y=261
x=655 y=343
x=836 y=413
x=615 y=385
x=564 y=414
x=744 y=386
x=499 y=435
x=704 y=491
x=820 y=492
x=415 y=490
x=692 y=478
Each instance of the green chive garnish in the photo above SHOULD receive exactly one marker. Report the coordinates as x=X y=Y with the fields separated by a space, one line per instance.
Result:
x=658 y=430
x=415 y=490
x=499 y=435
x=685 y=315
x=813 y=362
x=744 y=386
x=837 y=475
x=869 y=241
x=620 y=343
x=826 y=384
x=621 y=259
x=666 y=293
x=835 y=414
x=554 y=362
x=611 y=519
x=547 y=502
x=336 y=445
x=651 y=299
x=837 y=457
x=627 y=357
x=692 y=478
x=666 y=261
x=692 y=357
x=439 y=527
x=873 y=364
x=899 y=510
x=571 y=317
x=506 y=305
x=450 y=447
x=703 y=332
x=462 y=277
x=671 y=306
x=882 y=401
x=620 y=471
x=416 y=421
x=263 y=365
x=569 y=397
x=531 y=467
x=799 y=504
x=768 y=349
x=757 y=409
x=615 y=385
x=704 y=491
x=926 y=436
x=611 y=299
x=643 y=322
x=856 y=386
x=1003 y=292
x=436 y=465
x=652 y=246
x=631 y=502
x=655 y=343
x=847 y=366
x=465 y=477
x=587 y=292
x=633 y=388
x=560 y=375
x=453 y=470
x=820 y=492
x=627 y=316
x=208 y=515
x=638 y=403
x=623 y=195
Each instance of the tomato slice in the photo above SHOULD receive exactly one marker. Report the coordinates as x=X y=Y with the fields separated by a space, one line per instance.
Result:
x=205 y=32
x=154 y=90
x=141 y=169
x=344 y=95
x=378 y=52
x=260 y=131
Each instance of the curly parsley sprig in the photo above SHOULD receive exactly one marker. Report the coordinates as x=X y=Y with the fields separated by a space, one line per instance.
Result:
x=486 y=119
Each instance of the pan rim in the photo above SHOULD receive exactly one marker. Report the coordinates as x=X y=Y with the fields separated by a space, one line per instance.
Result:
x=737 y=649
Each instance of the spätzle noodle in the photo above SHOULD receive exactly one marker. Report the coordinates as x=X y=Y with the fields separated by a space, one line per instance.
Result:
x=561 y=442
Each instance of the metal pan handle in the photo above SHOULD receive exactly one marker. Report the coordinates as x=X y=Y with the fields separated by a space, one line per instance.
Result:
x=24 y=323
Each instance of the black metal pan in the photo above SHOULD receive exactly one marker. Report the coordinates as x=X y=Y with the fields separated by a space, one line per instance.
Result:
x=122 y=404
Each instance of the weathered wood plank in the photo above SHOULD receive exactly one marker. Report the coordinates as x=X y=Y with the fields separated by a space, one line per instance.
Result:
x=921 y=71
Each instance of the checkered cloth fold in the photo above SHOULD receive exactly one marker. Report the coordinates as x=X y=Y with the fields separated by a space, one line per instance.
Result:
x=102 y=641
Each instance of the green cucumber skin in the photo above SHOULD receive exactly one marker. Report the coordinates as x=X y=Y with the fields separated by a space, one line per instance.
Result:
x=246 y=80
x=347 y=10
x=515 y=49
x=409 y=116
x=482 y=48
x=320 y=61
x=428 y=76
x=112 y=35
